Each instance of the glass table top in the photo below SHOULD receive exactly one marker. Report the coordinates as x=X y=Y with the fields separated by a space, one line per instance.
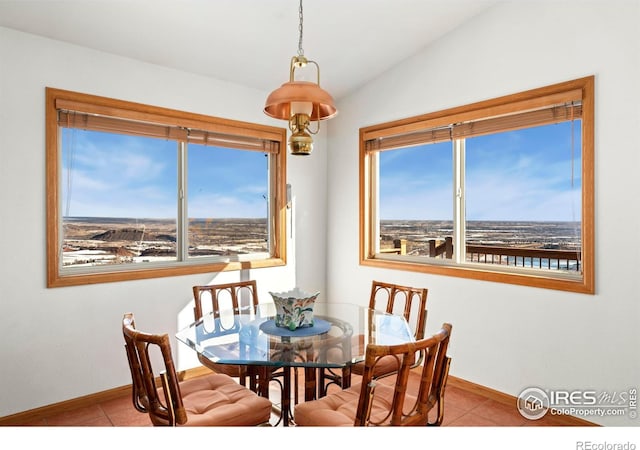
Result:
x=338 y=337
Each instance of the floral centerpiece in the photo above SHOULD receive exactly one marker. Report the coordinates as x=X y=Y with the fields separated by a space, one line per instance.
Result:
x=294 y=308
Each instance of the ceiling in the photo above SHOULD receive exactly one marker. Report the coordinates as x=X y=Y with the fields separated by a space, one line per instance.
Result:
x=249 y=42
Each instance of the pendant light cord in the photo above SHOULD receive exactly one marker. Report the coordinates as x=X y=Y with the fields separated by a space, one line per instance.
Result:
x=300 y=50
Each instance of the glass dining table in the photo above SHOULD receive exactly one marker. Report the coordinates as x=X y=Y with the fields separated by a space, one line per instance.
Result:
x=326 y=350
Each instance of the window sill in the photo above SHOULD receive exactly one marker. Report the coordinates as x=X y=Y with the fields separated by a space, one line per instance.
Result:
x=77 y=279
x=528 y=277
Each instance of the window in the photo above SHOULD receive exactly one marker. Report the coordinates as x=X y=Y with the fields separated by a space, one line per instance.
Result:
x=500 y=190
x=136 y=191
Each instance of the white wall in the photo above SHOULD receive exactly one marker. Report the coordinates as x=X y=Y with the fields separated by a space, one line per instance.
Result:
x=508 y=337
x=58 y=344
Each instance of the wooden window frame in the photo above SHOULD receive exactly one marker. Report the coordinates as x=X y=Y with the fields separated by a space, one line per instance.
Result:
x=212 y=130
x=408 y=131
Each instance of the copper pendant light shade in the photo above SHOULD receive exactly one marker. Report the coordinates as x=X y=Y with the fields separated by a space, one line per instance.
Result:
x=300 y=103
x=278 y=104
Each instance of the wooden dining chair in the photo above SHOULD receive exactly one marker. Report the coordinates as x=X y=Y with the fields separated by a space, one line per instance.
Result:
x=241 y=296
x=412 y=396
x=210 y=400
x=216 y=297
x=410 y=302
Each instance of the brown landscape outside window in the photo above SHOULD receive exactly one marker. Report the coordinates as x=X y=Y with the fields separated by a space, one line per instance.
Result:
x=501 y=190
x=136 y=191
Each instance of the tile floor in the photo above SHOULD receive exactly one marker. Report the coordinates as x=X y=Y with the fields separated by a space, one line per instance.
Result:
x=462 y=408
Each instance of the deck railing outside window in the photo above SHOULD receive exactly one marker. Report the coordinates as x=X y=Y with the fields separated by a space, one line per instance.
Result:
x=510 y=256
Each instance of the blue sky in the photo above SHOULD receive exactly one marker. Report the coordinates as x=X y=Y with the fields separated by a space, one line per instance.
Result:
x=520 y=175
x=128 y=176
x=227 y=183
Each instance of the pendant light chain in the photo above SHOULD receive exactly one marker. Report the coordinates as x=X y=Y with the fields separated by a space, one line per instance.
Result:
x=300 y=50
x=301 y=103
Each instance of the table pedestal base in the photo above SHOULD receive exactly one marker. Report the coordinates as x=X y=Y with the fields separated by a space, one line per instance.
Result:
x=316 y=383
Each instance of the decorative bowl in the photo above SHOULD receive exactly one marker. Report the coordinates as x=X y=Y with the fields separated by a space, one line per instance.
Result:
x=294 y=308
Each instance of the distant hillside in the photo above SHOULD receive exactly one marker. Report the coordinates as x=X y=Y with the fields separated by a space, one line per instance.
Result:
x=131 y=234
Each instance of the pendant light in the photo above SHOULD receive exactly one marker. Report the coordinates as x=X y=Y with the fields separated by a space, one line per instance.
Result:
x=300 y=102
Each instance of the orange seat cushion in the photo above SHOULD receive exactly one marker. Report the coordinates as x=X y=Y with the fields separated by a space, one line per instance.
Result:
x=339 y=409
x=218 y=399
x=384 y=366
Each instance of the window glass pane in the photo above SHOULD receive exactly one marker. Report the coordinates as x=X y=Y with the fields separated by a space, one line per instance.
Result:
x=228 y=192
x=415 y=200
x=523 y=190
x=118 y=198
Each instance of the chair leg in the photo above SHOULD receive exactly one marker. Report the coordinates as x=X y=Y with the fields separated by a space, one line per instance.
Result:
x=440 y=408
x=259 y=378
x=345 y=382
x=328 y=377
x=310 y=383
x=242 y=376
